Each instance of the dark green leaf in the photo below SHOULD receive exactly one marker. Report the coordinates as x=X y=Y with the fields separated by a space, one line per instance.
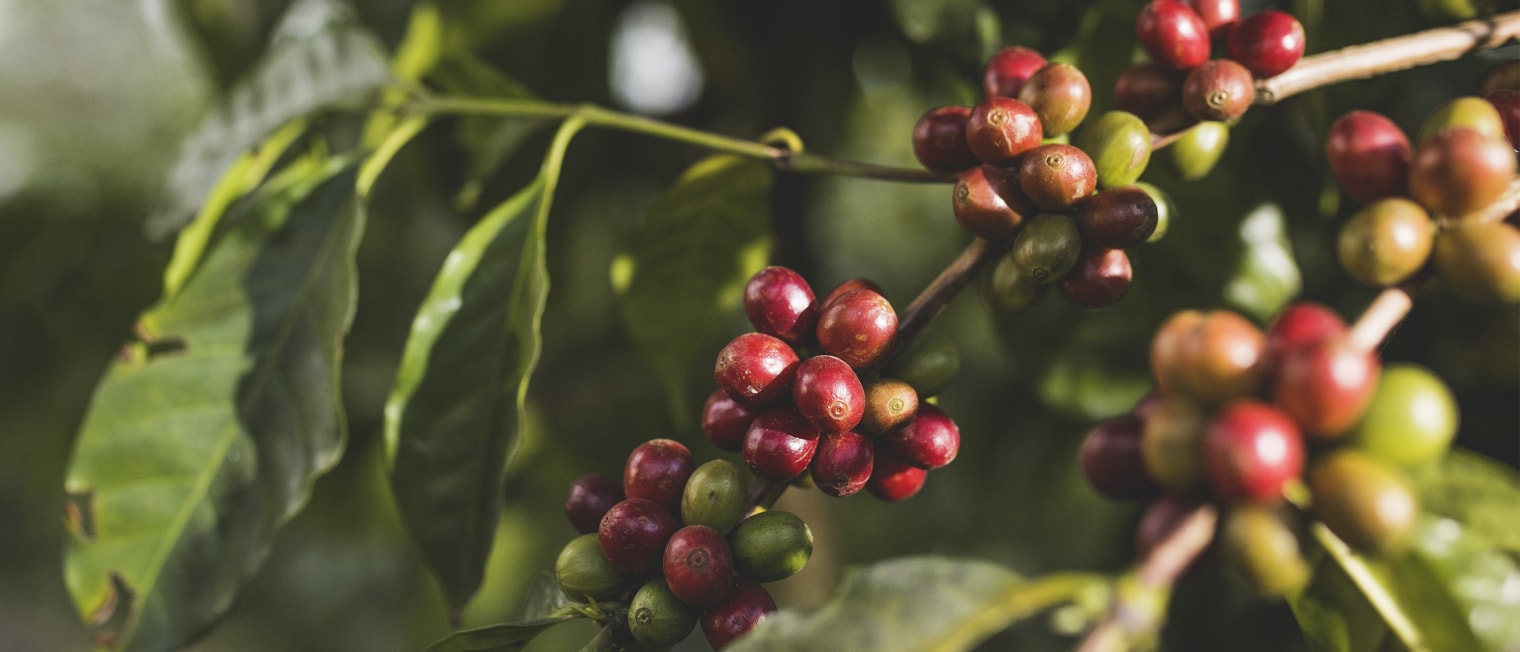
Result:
x=504 y=637
x=1477 y=492
x=456 y=408
x=320 y=57
x=683 y=274
x=203 y=439
x=967 y=28
x=487 y=140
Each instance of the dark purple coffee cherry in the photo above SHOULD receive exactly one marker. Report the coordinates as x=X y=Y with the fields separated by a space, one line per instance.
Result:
x=747 y=605
x=939 y=140
x=779 y=302
x=756 y=369
x=1008 y=69
x=828 y=394
x=1100 y=279
x=1111 y=460
x=857 y=327
x=1148 y=90
x=1219 y=90
x=633 y=534
x=590 y=497
x=843 y=462
x=1117 y=218
x=1507 y=102
x=1267 y=42
x=1002 y=128
x=1060 y=96
x=1172 y=34
x=698 y=565
x=893 y=478
x=725 y=421
x=930 y=441
x=890 y=402
x=657 y=470
x=1369 y=155
x=847 y=286
x=1057 y=176
x=780 y=444
x=987 y=202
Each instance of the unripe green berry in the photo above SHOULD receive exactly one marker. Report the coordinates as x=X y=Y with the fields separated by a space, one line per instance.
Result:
x=657 y=618
x=714 y=496
x=1171 y=445
x=1195 y=154
x=584 y=572
x=1386 y=241
x=1007 y=290
x=1165 y=209
x=1047 y=247
x=1473 y=113
x=1480 y=261
x=1260 y=546
x=1364 y=502
x=1119 y=144
x=1412 y=418
x=771 y=545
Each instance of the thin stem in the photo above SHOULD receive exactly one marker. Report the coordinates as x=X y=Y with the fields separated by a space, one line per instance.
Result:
x=933 y=299
x=1379 y=319
x=1389 y=55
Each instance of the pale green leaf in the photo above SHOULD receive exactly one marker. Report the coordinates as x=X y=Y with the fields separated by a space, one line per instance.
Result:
x=1481 y=494
x=504 y=637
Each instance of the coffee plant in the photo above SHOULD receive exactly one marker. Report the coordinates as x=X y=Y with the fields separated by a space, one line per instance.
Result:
x=416 y=291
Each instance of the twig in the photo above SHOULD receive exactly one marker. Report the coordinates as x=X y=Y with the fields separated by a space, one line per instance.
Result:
x=1386 y=311
x=1389 y=55
x=933 y=299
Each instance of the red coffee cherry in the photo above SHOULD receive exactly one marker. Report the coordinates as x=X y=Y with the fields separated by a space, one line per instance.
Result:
x=1060 y=96
x=657 y=470
x=1507 y=102
x=987 y=202
x=725 y=421
x=893 y=478
x=1267 y=43
x=1100 y=279
x=1369 y=155
x=1326 y=387
x=1218 y=16
x=1166 y=348
x=1057 y=176
x=1172 y=34
x=939 y=139
x=1252 y=451
x=1459 y=170
x=930 y=441
x=746 y=606
x=847 y=286
x=779 y=302
x=857 y=327
x=1002 y=128
x=1117 y=218
x=1111 y=460
x=588 y=500
x=756 y=369
x=1008 y=69
x=1148 y=90
x=828 y=394
x=843 y=463
x=780 y=444
x=1300 y=325
x=633 y=534
x=698 y=565
x=1218 y=90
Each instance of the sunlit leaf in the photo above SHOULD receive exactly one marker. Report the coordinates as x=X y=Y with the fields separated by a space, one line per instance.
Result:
x=205 y=437
x=1481 y=494
x=504 y=637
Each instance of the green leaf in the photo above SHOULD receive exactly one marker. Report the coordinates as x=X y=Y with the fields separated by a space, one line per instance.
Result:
x=320 y=58
x=916 y=603
x=968 y=28
x=1266 y=276
x=456 y=408
x=1477 y=492
x=503 y=637
x=203 y=439
x=488 y=141
x=682 y=276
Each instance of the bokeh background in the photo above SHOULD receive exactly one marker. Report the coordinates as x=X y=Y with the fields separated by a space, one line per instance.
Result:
x=95 y=96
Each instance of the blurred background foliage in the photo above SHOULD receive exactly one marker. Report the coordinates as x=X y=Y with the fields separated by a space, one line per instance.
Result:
x=95 y=95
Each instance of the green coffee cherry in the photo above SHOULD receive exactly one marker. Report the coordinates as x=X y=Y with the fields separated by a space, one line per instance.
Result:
x=929 y=364
x=1480 y=261
x=1165 y=209
x=1047 y=247
x=1120 y=146
x=1364 y=502
x=1258 y=544
x=1007 y=290
x=1474 y=113
x=657 y=618
x=1412 y=417
x=1386 y=241
x=771 y=545
x=584 y=572
x=1199 y=149
x=714 y=496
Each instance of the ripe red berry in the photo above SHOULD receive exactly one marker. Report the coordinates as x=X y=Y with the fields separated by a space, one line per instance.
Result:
x=939 y=139
x=756 y=369
x=1002 y=128
x=1148 y=90
x=1112 y=463
x=746 y=606
x=1326 y=387
x=1460 y=170
x=1507 y=102
x=931 y=440
x=780 y=303
x=632 y=536
x=1060 y=95
x=987 y=202
x=657 y=470
x=828 y=394
x=847 y=286
x=1267 y=43
x=857 y=327
x=780 y=444
x=1172 y=34
x=1100 y=278
x=1300 y=325
x=1057 y=176
x=843 y=463
x=1252 y=451
x=1218 y=15
x=893 y=478
x=1218 y=90
x=588 y=500
x=698 y=565
x=1369 y=155
x=725 y=421
x=1008 y=69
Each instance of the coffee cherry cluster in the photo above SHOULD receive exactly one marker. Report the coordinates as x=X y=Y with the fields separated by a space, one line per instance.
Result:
x=1181 y=84
x=1241 y=417
x=675 y=536
x=1420 y=201
x=1019 y=180
x=827 y=410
